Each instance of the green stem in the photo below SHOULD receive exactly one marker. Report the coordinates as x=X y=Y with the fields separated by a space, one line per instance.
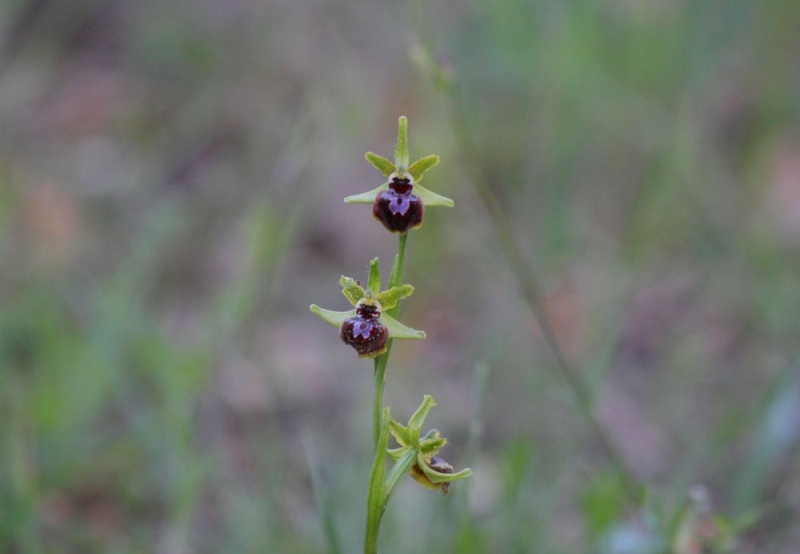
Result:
x=377 y=500
x=395 y=279
x=380 y=382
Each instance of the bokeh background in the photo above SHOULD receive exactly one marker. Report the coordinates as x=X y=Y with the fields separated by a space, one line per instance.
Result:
x=171 y=184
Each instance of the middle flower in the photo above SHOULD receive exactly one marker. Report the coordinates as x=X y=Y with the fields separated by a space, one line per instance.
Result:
x=364 y=331
x=368 y=327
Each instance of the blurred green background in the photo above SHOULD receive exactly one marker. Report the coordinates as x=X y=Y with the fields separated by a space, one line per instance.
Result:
x=171 y=184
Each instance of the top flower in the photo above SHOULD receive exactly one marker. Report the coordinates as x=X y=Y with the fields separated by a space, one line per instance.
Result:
x=400 y=202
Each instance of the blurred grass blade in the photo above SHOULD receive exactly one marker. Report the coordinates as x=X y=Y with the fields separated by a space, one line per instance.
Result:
x=776 y=440
x=323 y=506
x=466 y=529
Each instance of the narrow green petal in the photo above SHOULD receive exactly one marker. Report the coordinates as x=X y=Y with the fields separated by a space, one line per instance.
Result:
x=431 y=199
x=389 y=298
x=351 y=289
x=380 y=163
x=418 y=418
x=366 y=197
x=374 y=279
x=431 y=447
x=399 y=331
x=334 y=318
x=419 y=167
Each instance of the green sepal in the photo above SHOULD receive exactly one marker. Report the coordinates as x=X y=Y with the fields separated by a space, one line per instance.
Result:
x=431 y=199
x=419 y=167
x=401 y=150
x=374 y=279
x=418 y=418
x=366 y=197
x=334 y=318
x=380 y=163
x=437 y=477
x=351 y=289
x=401 y=435
x=399 y=331
x=388 y=299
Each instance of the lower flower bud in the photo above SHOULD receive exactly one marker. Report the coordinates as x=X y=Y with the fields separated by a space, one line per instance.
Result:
x=437 y=464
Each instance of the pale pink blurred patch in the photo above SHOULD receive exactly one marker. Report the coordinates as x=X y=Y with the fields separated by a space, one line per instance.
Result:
x=305 y=359
x=51 y=226
x=782 y=204
x=88 y=101
x=566 y=312
x=244 y=387
x=644 y=444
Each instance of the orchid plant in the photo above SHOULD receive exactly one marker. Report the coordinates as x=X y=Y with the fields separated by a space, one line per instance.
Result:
x=372 y=325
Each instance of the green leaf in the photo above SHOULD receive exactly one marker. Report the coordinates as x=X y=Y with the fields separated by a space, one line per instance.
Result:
x=389 y=298
x=395 y=277
x=419 y=167
x=401 y=150
x=418 y=418
x=377 y=498
x=351 y=289
x=399 y=331
x=397 y=453
x=374 y=280
x=430 y=199
x=334 y=318
x=380 y=163
x=366 y=197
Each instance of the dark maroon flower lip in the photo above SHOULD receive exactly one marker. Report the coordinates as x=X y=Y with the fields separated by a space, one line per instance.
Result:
x=364 y=331
x=399 y=211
